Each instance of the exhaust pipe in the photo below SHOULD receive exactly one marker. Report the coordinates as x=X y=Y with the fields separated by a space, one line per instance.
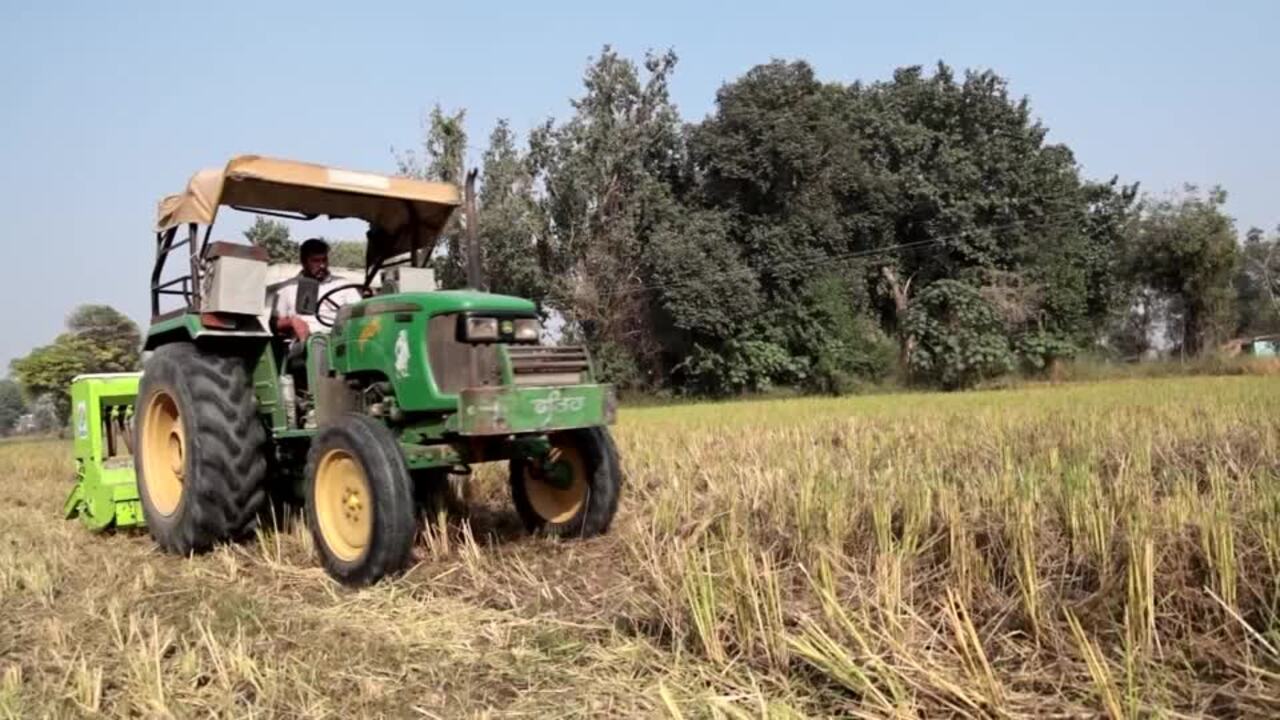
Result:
x=474 y=275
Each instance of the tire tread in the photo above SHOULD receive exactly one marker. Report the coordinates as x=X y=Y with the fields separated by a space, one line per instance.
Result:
x=226 y=442
x=395 y=523
x=603 y=491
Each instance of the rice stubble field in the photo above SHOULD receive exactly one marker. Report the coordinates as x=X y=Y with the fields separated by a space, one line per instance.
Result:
x=1093 y=549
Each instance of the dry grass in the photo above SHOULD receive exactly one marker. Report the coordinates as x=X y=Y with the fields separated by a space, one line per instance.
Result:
x=1104 y=549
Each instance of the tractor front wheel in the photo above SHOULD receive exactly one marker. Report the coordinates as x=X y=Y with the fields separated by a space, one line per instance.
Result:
x=200 y=449
x=573 y=492
x=360 y=503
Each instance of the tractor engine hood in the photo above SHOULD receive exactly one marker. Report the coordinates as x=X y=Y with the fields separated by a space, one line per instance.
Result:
x=439 y=302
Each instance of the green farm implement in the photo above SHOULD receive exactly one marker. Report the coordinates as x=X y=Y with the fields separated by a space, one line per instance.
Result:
x=393 y=392
x=106 y=493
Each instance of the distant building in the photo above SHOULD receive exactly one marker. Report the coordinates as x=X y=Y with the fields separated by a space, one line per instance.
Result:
x=1257 y=346
x=25 y=424
x=1262 y=346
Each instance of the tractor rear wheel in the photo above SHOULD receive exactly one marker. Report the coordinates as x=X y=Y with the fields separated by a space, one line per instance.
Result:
x=200 y=449
x=360 y=503
x=577 y=495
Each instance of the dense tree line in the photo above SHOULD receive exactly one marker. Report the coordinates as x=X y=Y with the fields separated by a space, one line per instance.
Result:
x=819 y=235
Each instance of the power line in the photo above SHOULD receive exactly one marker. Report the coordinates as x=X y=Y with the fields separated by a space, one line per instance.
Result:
x=749 y=273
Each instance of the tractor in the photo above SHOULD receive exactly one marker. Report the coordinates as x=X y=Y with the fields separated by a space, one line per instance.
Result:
x=408 y=385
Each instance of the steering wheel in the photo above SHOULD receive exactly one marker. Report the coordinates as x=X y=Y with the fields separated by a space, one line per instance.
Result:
x=327 y=298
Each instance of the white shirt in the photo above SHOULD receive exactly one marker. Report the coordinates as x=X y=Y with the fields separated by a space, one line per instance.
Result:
x=286 y=302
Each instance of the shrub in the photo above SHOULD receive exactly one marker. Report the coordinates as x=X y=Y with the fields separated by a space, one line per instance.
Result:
x=958 y=336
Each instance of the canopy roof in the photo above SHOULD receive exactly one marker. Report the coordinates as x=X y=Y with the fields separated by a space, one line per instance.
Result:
x=396 y=208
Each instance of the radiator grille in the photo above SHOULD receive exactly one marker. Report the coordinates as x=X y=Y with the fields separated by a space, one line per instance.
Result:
x=451 y=360
x=544 y=365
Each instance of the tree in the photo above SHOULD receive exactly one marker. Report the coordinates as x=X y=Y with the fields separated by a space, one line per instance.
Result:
x=900 y=184
x=780 y=166
x=98 y=339
x=48 y=370
x=1109 y=229
x=443 y=159
x=347 y=253
x=846 y=343
x=788 y=237
x=12 y=405
x=963 y=164
x=111 y=339
x=1185 y=249
x=1257 y=285
x=272 y=236
x=606 y=186
x=513 y=243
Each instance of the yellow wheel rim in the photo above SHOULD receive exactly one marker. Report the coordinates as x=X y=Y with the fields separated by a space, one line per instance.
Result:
x=555 y=504
x=164 y=453
x=344 y=504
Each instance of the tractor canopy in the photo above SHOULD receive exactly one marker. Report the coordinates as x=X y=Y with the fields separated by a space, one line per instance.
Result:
x=403 y=214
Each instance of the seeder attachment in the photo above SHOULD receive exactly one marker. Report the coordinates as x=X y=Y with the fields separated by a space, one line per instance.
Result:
x=106 y=490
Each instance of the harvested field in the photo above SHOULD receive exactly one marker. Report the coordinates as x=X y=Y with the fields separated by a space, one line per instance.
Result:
x=1106 y=549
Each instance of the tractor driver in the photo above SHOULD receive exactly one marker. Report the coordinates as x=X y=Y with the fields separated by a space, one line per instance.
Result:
x=290 y=320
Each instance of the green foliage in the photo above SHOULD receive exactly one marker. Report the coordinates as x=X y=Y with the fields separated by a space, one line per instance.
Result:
x=809 y=170
x=617 y=366
x=272 y=236
x=111 y=340
x=12 y=406
x=1185 y=248
x=695 y=269
x=347 y=253
x=606 y=177
x=1257 y=285
x=958 y=336
x=48 y=370
x=1039 y=350
x=99 y=339
x=512 y=242
x=740 y=365
x=443 y=159
x=780 y=240
x=1109 y=228
x=844 y=345
x=865 y=355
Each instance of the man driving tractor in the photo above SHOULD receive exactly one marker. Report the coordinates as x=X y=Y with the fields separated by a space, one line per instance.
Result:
x=295 y=309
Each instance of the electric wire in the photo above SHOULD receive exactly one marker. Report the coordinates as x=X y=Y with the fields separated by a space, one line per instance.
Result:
x=785 y=267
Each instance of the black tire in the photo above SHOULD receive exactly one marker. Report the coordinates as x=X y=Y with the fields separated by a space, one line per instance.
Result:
x=222 y=451
x=602 y=477
x=392 y=515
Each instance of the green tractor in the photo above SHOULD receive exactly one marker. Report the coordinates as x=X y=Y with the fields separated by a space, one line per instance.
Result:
x=409 y=384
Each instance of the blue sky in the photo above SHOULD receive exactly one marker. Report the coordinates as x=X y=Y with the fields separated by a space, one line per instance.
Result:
x=105 y=107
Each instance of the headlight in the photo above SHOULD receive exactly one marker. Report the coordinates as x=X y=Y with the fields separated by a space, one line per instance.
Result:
x=481 y=329
x=527 y=330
